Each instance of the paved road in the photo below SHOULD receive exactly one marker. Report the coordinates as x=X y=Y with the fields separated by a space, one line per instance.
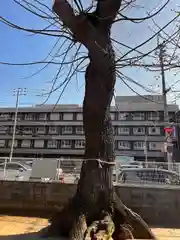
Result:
x=24 y=228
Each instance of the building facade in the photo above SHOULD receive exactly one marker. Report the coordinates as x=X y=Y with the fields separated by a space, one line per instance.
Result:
x=47 y=132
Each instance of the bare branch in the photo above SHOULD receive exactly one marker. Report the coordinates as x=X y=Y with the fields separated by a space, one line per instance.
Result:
x=149 y=39
x=137 y=20
x=45 y=16
x=66 y=14
x=37 y=31
x=75 y=25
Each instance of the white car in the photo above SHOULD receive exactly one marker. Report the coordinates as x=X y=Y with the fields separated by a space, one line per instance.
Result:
x=15 y=171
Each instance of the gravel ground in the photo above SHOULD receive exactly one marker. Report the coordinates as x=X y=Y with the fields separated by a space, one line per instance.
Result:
x=23 y=228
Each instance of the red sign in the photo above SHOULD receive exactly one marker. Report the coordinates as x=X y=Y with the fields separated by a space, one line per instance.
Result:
x=168 y=130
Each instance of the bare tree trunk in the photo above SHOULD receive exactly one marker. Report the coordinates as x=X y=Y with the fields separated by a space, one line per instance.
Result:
x=95 y=193
x=95 y=176
x=95 y=198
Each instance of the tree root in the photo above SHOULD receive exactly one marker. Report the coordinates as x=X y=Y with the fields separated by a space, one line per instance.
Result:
x=79 y=228
x=125 y=216
x=99 y=230
x=124 y=224
x=140 y=229
x=102 y=229
x=91 y=230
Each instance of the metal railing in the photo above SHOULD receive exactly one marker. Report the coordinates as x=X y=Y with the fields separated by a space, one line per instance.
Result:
x=68 y=171
x=17 y=159
x=150 y=173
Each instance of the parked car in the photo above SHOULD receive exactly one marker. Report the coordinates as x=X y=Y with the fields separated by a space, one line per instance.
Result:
x=131 y=166
x=148 y=176
x=15 y=171
x=29 y=163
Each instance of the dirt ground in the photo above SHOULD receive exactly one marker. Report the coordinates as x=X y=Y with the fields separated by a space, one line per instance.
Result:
x=12 y=228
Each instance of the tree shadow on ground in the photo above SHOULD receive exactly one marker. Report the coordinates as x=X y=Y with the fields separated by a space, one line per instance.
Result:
x=23 y=236
x=29 y=236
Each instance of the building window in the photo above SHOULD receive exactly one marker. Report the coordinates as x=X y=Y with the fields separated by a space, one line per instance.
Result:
x=79 y=130
x=139 y=131
x=155 y=146
x=123 y=145
x=79 y=144
x=52 y=144
x=5 y=116
x=2 y=143
x=153 y=116
x=67 y=130
x=10 y=131
x=138 y=116
x=54 y=117
x=10 y=143
x=40 y=130
x=39 y=143
x=53 y=130
x=28 y=117
x=79 y=117
x=18 y=118
x=154 y=131
x=114 y=129
x=68 y=116
x=43 y=116
x=39 y=116
x=36 y=117
x=26 y=144
x=171 y=115
x=139 y=145
x=113 y=115
x=27 y=130
x=123 y=116
x=123 y=131
x=3 y=129
x=66 y=143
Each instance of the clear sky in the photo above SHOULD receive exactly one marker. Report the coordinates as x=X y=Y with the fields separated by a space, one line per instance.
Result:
x=19 y=47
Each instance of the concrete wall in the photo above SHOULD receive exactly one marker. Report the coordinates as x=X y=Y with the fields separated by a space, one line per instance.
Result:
x=158 y=205
x=34 y=195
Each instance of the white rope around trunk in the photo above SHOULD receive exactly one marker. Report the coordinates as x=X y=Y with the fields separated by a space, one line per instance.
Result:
x=99 y=161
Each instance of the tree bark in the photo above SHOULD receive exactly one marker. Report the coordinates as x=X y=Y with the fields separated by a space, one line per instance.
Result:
x=95 y=186
x=95 y=198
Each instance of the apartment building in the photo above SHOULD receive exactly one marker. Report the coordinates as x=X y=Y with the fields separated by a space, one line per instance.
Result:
x=48 y=132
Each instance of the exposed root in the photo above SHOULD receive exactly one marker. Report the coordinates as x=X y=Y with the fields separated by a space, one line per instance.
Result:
x=91 y=230
x=123 y=232
x=126 y=217
x=105 y=229
x=102 y=230
x=140 y=229
x=134 y=223
x=124 y=224
x=79 y=228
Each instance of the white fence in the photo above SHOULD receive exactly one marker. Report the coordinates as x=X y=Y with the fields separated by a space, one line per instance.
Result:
x=134 y=173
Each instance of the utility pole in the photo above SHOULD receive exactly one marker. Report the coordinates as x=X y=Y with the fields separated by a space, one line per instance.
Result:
x=168 y=139
x=164 y=90
x=146 y=151
x=17 y=92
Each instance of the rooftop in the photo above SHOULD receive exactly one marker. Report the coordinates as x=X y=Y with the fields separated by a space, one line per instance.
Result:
x=122 y=103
